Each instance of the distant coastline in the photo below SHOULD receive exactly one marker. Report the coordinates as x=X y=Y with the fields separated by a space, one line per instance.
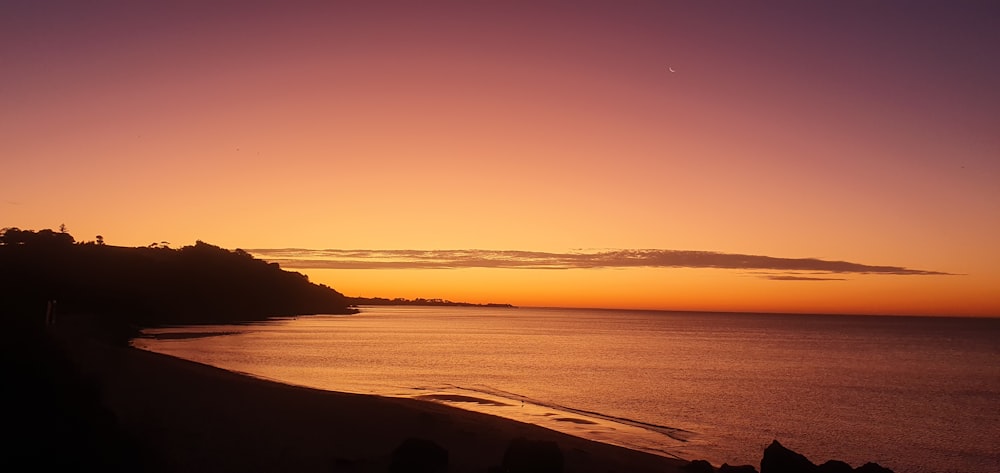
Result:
x=358 y=301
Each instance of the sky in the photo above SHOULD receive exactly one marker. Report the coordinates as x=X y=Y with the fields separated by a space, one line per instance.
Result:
x=820 y=157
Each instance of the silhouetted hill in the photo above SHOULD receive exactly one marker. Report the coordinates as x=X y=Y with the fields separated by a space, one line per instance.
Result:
x=150 y=286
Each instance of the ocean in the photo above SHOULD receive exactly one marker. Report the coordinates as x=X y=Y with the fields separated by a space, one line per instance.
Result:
x=915 y=394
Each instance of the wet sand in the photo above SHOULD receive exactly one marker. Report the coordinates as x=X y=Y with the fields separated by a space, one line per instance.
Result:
x=185 y=416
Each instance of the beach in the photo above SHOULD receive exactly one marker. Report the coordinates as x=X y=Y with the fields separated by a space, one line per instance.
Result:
x=185 y=416
x=719 y=387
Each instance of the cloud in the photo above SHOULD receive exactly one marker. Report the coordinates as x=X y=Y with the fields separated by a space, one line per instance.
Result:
x=800 y=278
x=788 y=268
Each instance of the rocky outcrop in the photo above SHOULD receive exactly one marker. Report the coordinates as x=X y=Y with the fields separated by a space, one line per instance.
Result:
x=779 y=459
x=698 y=466
x=872 y=468
x=417 y=455
x=835 y=466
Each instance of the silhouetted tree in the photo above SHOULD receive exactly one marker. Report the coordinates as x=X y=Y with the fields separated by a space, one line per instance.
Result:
x=10 y=236
x=16 y=236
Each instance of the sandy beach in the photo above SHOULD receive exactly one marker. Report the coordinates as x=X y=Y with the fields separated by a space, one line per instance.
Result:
x=186 y=416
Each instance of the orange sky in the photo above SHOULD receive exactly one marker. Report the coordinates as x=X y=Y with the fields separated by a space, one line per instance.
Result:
x=861 y=131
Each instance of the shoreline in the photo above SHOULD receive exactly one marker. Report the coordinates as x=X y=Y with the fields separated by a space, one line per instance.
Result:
x=187 y=416
x=659 y=440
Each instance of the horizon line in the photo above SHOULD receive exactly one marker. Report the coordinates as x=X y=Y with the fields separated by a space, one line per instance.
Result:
x=696 y=311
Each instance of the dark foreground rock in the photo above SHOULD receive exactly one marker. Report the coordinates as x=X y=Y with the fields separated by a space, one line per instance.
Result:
x=835 y=466
x=417 y=455
x=779 y=459
x=698 y=466
x=872 y=468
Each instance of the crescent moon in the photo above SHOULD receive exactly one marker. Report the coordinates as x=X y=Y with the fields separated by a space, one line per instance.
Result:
x=671 y=69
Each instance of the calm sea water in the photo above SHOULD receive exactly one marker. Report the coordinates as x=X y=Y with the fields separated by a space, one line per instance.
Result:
x=914 y=394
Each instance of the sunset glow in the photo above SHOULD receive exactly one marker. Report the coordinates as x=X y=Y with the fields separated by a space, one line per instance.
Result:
x=856 y=132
